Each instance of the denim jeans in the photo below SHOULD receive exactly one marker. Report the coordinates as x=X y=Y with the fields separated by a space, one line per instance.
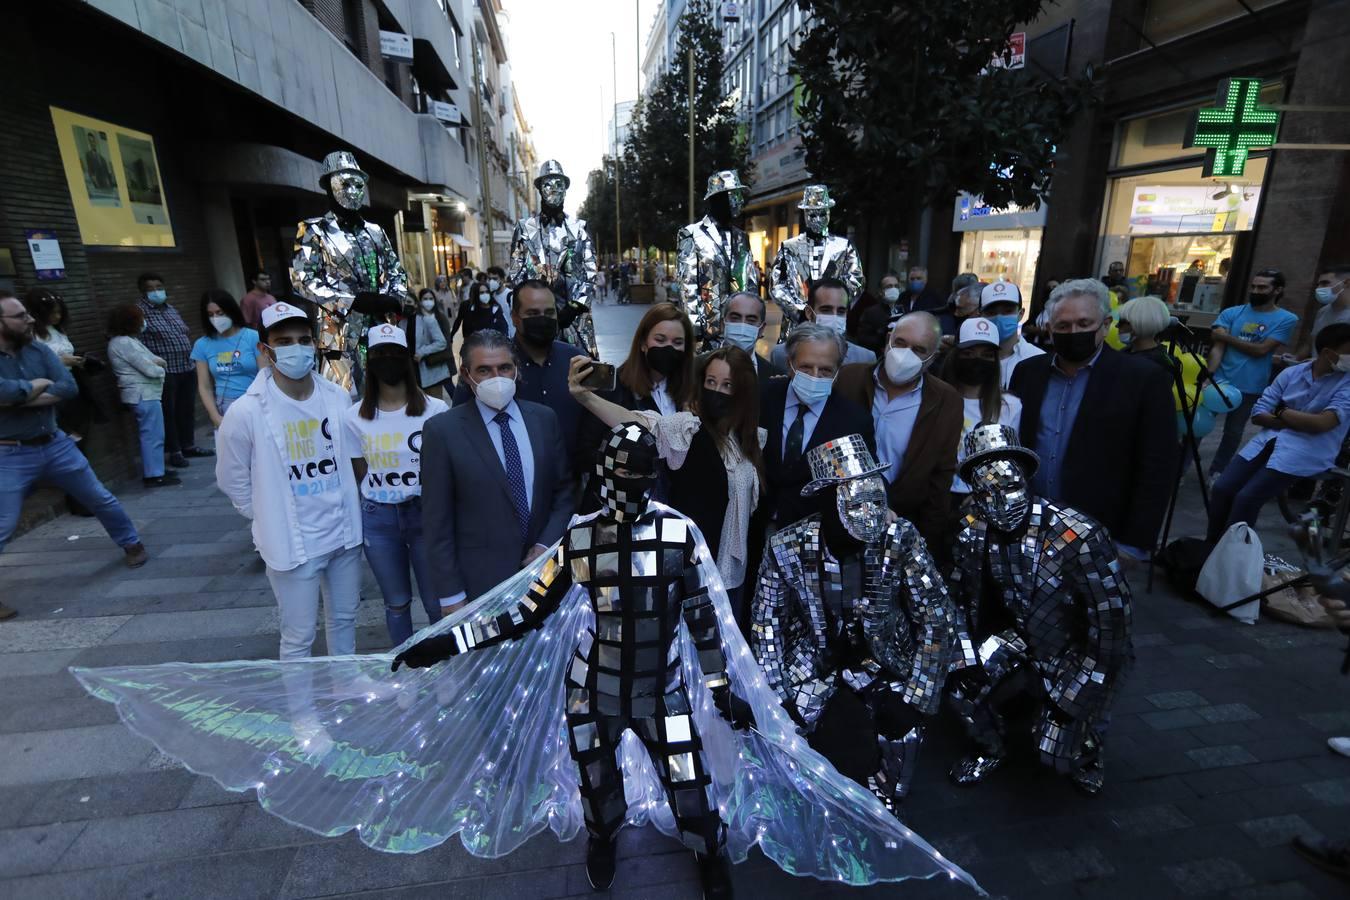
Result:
x=337 y=575
x=1234 y=424
x=393 y=536
x=61 y=464
x=150 y=423
x=1245 y=486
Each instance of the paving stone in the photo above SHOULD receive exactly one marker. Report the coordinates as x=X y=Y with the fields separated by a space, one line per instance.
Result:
x=179 y=626
x=28 y=851
x=205 y=792
x=108 y=796
x=1157 y=639
x=1333 y=792
x=1234 y=661
x=1077 y=864
x=1213 y=757
x=148 y=837
x=1207 y=876
x=54 y=714
x=58 y=634
x=71 y=753
x=1286 y=890
x=1228 y=712
x=1172 y=718
x=220 y=877
x=1274 y=831
x=1156 y=819
x=1177 y=700
x=1330 y=722
x=37 y=662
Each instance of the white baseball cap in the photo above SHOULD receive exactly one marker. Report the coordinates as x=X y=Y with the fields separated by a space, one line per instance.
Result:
x=1000 y=292
x=280 y=312
x=977 y=330
x=386 y=334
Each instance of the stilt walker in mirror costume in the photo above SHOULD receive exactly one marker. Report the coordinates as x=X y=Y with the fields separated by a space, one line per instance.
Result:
x=812 y=255
x=1045 y=613
x=713 y=257
x=853 y=625
x=347 y=268
x=624 y=626
x=555 y=248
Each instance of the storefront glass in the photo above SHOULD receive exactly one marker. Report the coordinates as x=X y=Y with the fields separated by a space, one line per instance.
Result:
x=1010 y=255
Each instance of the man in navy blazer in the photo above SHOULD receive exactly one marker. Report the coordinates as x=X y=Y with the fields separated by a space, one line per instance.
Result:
x=496 y=482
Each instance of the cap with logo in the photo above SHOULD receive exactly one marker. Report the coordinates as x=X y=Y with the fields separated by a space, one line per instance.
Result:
x=978 y=330
x=1000 y=292
x=280 y=312
x=386 y=334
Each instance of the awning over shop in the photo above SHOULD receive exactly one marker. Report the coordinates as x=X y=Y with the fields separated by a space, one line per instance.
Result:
x=460 y=239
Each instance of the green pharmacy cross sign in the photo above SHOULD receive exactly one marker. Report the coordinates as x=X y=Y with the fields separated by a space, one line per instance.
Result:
x=1238 y=124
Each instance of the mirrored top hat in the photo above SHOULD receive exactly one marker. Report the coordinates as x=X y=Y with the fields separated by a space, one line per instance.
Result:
x=552 y=167
x=721 y=182
x=340 y=162
x=816 y=196
x=386 y=334
x=840 y=460
x=990 y=442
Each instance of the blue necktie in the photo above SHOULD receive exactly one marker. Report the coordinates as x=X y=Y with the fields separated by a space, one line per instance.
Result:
x=515 y=473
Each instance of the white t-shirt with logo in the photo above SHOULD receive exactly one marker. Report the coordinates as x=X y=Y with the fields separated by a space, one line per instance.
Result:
x=310 y=452
x=391 y=445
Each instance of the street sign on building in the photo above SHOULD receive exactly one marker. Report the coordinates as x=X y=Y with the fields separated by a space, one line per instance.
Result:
x=396 y=45
x=731 y=12
x=1238 y=124
x=446 y=112
x=1017 y=53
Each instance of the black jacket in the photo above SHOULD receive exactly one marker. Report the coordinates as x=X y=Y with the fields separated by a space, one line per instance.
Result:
x=838 y=418
x=1120 y=462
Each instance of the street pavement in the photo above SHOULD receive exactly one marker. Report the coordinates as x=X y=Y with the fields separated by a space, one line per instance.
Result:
x=1217 y=752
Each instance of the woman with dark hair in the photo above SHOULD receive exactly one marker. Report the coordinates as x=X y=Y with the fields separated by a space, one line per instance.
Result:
x=972 y=367
x=50 y=324
x=140 y=380
x=387 y=426
x=226 y=354
x=480 y=311
x=432 y=348
x=712 y=453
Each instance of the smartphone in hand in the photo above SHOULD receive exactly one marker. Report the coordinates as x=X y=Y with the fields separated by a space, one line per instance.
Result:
x=600 y=378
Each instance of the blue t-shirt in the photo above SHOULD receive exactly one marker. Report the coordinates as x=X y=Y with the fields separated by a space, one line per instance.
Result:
x=233 y=361
x=1251 y=374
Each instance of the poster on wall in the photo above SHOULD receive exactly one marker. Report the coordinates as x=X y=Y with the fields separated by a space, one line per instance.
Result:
x=46 y=250
x=1186 y=208
x=114 y=180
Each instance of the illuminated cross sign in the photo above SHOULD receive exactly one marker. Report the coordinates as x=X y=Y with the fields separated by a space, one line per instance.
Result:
x=1234 y=127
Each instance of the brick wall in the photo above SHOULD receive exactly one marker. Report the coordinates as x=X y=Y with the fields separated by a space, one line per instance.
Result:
x=127 y=88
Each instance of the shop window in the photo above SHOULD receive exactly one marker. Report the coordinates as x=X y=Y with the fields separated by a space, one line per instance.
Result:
x=1151 y=139
x=1166 y=20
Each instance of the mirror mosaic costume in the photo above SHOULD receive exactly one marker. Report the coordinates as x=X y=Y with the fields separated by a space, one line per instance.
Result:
x=554 y=247
x=347 y=268
x=712 y=257
x=812 y=255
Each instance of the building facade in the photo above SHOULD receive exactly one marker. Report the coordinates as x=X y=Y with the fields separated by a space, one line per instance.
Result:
x=184 y=139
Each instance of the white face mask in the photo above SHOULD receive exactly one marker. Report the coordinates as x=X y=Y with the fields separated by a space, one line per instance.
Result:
x=428 y=304
x=903 y=365
x=496 y=392
x=838 y=323
x=493 y=285
x=891 y=294
x=1343 y=363
x=222 y=324
x=741 y=334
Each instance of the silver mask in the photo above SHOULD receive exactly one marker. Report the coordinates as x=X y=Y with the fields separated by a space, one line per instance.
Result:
x=1000 y=493
x=817 y=221
x=349 y=190
x=862 y=508
x=553 y=190
x=736 y=202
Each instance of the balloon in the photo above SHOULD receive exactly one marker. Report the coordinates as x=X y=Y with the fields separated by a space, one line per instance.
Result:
x=1190 y=373
x=1202 y=424
x=1113 y=338
x=1212 y=398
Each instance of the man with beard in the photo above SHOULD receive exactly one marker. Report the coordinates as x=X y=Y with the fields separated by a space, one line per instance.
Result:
x=544 y=360
x=33 y=381
x=852 y=624
x=1045 y=616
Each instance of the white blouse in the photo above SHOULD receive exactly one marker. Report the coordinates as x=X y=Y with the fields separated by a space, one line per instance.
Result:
x=674 y=434
x=58 y=343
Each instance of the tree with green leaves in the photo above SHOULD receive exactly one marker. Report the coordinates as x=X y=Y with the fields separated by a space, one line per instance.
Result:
x=655 y=165
x=902 y=106
x=598 y=209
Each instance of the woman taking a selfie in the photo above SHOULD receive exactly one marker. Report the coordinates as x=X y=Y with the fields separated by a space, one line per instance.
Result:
x=387 y=426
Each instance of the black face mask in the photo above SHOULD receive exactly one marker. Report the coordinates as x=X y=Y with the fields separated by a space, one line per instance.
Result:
x=974 y=371
x=832 y=530
x=387 y=370
x=539 y=330
x=714 y=404
x=665 y=359
x=1077 y=346
x=1262 y=299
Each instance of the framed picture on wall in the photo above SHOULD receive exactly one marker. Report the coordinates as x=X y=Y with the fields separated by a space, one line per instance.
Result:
x=114 y=180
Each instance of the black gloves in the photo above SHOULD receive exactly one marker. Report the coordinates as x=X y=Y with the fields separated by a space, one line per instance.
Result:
x=734 y=710
x=426 y=653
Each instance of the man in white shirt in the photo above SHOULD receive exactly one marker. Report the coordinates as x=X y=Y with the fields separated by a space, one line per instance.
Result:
x=1001 y=303
x=283 y=462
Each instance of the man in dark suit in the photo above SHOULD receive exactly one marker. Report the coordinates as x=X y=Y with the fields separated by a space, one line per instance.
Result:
x=918 y=422
x=496 y=484
x=743 y=319
x=1102 y=422
x=802 y=412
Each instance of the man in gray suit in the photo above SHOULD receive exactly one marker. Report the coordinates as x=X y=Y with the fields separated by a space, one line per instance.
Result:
x=496 y=483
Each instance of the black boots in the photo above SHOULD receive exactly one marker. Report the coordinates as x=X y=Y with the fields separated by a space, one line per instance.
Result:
x=600 y=863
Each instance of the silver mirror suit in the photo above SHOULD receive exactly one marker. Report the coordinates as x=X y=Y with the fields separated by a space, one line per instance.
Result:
x=812 y=255
x=713 y=262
